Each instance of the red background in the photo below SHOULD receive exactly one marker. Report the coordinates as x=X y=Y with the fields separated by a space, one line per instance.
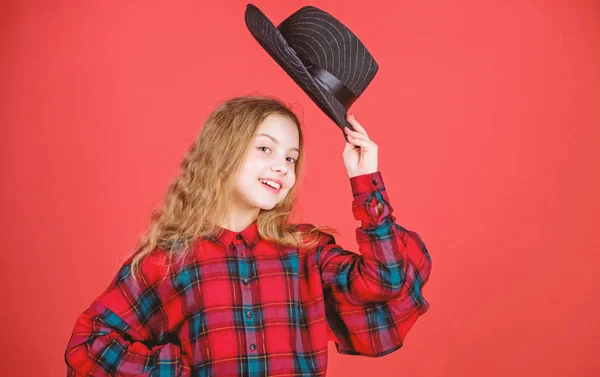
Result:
x=486 y=115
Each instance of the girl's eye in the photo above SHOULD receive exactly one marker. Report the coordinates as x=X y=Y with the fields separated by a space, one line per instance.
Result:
x=263 y=150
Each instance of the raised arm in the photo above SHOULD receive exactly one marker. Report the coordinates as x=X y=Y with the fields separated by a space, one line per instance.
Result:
x=392 y=261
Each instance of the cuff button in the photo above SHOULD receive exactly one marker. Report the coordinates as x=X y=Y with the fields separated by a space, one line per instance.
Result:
x=375 y=182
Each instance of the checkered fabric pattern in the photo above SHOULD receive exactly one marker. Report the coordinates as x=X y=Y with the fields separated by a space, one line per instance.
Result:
x=243 y=306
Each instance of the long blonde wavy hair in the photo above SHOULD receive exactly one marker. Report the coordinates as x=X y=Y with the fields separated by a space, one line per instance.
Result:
x=197 y=200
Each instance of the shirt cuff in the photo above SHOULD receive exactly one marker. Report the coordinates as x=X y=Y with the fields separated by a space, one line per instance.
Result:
x=368 y=190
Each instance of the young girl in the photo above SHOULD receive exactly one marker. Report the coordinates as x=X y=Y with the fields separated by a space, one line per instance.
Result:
x=223 y=285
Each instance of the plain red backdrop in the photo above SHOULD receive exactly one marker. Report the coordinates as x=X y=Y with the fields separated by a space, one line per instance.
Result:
x=486 y=115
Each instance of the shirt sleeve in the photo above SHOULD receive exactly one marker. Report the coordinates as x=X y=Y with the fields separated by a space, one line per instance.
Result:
x=372 y=299
x=125 y=330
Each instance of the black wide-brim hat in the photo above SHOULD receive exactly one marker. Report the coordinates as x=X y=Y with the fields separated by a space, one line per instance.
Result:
x=320 y=54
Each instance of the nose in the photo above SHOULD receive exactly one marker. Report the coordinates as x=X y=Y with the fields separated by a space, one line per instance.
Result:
x=279 y=167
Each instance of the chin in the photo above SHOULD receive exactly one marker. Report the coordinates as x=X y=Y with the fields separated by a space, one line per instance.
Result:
x=267 y=201
x=267 y=206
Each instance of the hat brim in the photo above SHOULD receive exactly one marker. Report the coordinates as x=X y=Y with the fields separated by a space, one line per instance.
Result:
x=271 y=39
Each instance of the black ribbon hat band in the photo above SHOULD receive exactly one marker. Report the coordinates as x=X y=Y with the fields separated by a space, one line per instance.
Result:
x=329 y=82
x=334 y=86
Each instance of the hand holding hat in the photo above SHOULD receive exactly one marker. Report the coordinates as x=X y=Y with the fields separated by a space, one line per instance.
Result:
x=361 y=160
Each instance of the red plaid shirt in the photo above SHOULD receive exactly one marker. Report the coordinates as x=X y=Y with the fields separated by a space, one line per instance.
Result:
x=246 y=307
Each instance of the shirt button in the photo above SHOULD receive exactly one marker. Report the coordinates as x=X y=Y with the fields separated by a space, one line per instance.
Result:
x=245 y=281
x=253 y=346
x=248 y=314
x=375 y=182
x=239 y=237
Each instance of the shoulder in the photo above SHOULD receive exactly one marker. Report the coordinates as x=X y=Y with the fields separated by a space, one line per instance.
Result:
x=150 y=268
x=314 y=236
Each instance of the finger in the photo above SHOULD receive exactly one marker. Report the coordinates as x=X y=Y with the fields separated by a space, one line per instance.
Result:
x=350 y=144
x=348 y=147
x=357 y=126
x=358 y=135
x=359 y=142
x=353 y=122
x=346 y=135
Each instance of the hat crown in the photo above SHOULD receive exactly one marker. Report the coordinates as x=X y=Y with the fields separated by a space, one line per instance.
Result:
x=319 y=39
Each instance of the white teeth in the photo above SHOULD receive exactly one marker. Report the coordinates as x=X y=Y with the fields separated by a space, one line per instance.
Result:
x=275 y=185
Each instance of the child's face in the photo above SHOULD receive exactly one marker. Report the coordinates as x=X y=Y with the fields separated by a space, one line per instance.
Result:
x=272 y=156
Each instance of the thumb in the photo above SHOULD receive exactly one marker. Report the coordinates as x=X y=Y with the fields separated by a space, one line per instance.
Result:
x=348 y=147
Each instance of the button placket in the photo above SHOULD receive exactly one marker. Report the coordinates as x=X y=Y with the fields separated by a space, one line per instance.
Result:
x=245 y=268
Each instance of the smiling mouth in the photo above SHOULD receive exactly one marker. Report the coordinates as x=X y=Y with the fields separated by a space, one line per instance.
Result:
x=270 y=188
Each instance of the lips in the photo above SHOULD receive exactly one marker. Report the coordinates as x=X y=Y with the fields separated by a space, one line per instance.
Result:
x=270 y=188
x=275 y=180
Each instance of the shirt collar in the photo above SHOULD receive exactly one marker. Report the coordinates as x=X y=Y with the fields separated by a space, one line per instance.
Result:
x=225 y=236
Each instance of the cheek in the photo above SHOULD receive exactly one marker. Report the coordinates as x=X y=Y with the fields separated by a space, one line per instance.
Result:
x=248 y=171
x=291 y=182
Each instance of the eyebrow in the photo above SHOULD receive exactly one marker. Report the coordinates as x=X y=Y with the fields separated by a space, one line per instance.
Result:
x=276 y=141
